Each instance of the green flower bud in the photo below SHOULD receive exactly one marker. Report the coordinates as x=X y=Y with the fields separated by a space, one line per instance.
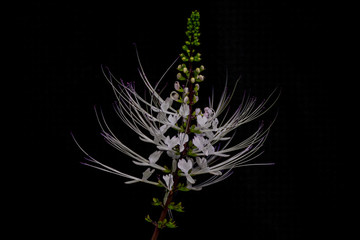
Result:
x=197 y=87
x=200 y=78
x=184 y=59
x=180 y=77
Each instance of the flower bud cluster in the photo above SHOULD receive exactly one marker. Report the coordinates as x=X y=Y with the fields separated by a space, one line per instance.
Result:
x=193 y=34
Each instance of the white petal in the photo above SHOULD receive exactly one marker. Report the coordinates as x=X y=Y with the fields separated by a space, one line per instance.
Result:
x=197 y=141
x=184 y=165
x=154 y=157
x=173 y=119
x=184 y=110
x=147 y=173
x=169 y=181
x=202 y=162
x=201 y=120
x=166 y=104
x=189 y=179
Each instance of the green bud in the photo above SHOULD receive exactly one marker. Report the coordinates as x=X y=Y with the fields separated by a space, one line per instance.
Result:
x=167 y=170
x=182 y=187
x=148 y=219
x=190 y=152
x=200 y=78
x=171 y=224
x=156 y=202
x=197 y=87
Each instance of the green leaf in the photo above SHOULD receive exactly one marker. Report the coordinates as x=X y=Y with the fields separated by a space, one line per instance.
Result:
x=167 y=170
x=191 y=154
x=193 y=130
x=148 y=219
x=182 y=187
x=179 y=208
x=156 y=202
x=171 y=206
x=162 y=224
x=171 y=224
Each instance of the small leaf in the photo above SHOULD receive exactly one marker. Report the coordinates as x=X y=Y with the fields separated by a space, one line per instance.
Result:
x=162 y=224
x=191 y=154
x=181 y=187
x=148 y=219
x=171 y=206
x=179 y=208
x=167 y=170
x=156 y=202
x=171 y=224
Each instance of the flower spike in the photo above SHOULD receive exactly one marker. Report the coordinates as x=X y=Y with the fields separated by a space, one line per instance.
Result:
x=187 y=139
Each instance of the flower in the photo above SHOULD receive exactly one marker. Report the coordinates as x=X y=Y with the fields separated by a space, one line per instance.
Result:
x=203 y=145
x=208 y=149
x=184 y=110
x=183 y=138
x=154 y=157
x=169 y=181
x=185 y=167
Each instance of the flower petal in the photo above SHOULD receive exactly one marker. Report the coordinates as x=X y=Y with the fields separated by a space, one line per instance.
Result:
x=154 y=157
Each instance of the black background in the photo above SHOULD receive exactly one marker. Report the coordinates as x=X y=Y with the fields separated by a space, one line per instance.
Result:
x=281 y=44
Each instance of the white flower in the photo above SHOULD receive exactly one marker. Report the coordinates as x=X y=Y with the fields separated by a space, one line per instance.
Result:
x=173 y=119
x=151 y=117
x=184 y=110
x=203 y=145
x=203 y=167
x=208 y=112
x=166 y=104
x=185 y=167
x=154 y=157
x=170 y=143
x=183 y=138
x=201 y=120
x=147 y=173
x=201 y=162
x=169 y=181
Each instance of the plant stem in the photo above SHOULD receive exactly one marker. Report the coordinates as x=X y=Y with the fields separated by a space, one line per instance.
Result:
x=165 y=209
x=183 y=154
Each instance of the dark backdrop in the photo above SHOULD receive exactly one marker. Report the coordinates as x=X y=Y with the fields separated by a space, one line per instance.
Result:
x=268 y=44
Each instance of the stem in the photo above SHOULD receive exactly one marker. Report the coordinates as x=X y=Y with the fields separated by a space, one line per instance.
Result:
x=165 y=209
x=183 y=153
